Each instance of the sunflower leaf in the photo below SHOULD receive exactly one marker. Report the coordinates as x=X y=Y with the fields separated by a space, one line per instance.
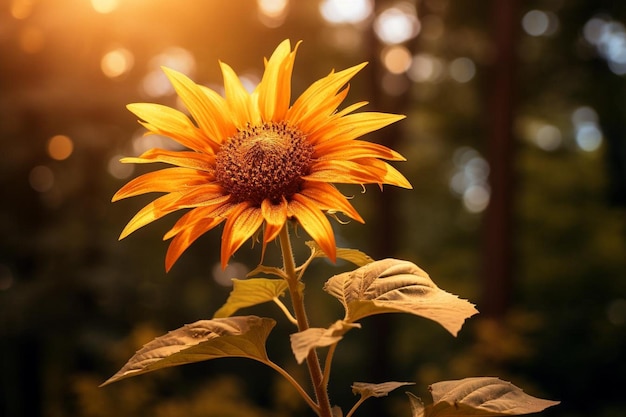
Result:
x=366 y=390
x=417 y=406
x=482 y=396
x=303 y=342
x=242 y=336
x=250 y=292
x=354 y=256
x=396 y=286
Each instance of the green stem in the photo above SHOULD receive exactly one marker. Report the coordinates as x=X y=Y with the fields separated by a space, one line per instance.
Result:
x=313 y=362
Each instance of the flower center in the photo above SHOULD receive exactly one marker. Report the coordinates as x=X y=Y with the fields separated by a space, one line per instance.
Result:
x=263 y=162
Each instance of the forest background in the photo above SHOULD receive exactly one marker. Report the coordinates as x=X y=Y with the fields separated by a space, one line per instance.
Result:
x=516 y=144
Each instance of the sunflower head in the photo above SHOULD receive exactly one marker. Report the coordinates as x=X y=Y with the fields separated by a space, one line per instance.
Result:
x=253 y=160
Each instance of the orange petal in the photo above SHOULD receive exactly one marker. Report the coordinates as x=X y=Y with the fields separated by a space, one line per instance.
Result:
x=275 y=87
x=360 y=171
x=202 y=195
x=314 y=222
x=187 y=220
x=238 y=98
x=327 y=197
x=208 y=108
x=323 y=113
x=275 y=216
x=354 y=149
x=243 y=221
x=186 y=237
x=317 y=95
x=151 y=212
x=187 y=159
x=355 y=125
x=165 y=181
x=169 y=122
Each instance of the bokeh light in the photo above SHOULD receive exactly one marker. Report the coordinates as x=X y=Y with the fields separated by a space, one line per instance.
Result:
x=224 y=277
x=397 y=24
x=21 y=9
x=540 y=23
x=609 y=38
x=60 y=147
x=345 y=11
x=462 y=70
x=425 y=68
x=396 y=59
x=548 y=137
x=469 y=180
x=118 y=169
x=41 y=178
x=104 y=6
x=272 y=13
x=588 y=134
x=155 y=83
x=117 y=62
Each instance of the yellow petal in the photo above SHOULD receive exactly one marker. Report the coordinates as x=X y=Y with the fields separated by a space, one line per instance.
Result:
x=314 y=222
x=209 y=110
x=169 y=122
x=163 y=181
x=243 y=221
x=275 y=87
x=314 y=97
x=239 y=100
x=354 y=125
x=186 y=159
x=186 y=237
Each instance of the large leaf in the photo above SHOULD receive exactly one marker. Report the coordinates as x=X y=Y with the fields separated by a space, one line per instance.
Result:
x=250 y=292
x=303 y=342
x=351 y=255
x=396 y=286
x=482 y=396
x=243 y=336
x=366 y=390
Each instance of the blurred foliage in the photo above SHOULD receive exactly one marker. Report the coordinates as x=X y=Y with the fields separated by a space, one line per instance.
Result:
x=75 y=303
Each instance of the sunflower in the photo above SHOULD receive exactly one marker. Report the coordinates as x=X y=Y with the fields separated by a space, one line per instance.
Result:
x=254 y=160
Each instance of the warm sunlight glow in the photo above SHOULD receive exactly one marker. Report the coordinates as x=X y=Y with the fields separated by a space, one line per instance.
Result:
x=397 y=24
x=104 y=6
x=116 y=62
x=272 y=13
x=60 y=147
x=155 y=83
x=21 y=9
x=397 y=59
x=31 y=39
x=346 y=11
